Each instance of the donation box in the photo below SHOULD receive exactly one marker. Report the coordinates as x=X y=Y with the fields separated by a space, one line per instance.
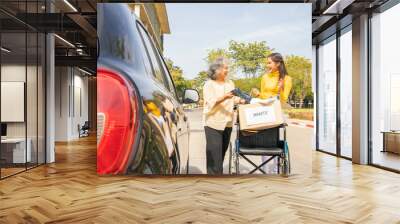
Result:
x=260 y=116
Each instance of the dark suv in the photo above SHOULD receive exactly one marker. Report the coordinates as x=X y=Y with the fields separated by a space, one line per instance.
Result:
x=142 y=128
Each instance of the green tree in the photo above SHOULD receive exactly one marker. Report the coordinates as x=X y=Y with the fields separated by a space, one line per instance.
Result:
x=213 y=54
x=198 y=82
x=177 y=75
x=299 y=68
x=200 y=79
x=249 y=57
x=246 y=84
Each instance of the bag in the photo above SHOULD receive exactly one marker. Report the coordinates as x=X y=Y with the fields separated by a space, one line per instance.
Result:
x=263 y=139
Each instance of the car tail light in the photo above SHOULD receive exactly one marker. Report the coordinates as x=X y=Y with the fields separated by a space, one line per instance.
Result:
x=118 y=122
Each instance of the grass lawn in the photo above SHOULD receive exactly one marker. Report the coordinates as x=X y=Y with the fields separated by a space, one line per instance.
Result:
x=301 y=113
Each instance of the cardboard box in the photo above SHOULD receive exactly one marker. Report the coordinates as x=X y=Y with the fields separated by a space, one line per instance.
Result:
x=260 y=116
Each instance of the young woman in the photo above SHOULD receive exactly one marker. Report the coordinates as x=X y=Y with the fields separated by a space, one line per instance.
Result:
x=218 y=114
x=276 y=80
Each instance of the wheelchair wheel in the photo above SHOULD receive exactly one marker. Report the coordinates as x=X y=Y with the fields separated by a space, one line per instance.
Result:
x=286 y=169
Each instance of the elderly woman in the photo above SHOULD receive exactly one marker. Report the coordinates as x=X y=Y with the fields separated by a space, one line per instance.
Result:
x=218 y=114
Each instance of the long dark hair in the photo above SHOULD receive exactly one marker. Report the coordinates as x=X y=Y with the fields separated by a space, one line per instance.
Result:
x=277 y=58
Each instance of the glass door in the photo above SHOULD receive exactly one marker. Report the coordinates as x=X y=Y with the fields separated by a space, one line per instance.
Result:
x=327 y=96
x=22 y=77
x=385 y=89
x=14 y=154
x=346 y=94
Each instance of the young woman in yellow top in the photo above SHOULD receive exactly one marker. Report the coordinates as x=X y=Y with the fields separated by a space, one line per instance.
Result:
x=276 y=80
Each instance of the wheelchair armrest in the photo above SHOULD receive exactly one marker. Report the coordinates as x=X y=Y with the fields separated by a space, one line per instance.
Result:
x=283 y=125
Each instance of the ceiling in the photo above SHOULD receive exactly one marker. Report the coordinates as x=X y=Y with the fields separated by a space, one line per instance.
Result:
x=74 y=22
x=329 y=15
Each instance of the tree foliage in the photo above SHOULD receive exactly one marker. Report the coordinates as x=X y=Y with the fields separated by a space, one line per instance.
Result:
x=213 y=54
x=177 y=75
x=246 y=84
x=249 y=57
x=300 y=68
x=199 y=81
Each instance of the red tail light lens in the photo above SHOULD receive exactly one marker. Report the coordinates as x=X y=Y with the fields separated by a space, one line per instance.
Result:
x=117 y=105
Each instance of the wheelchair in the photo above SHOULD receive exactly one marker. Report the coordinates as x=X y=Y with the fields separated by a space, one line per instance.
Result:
x=265 y=142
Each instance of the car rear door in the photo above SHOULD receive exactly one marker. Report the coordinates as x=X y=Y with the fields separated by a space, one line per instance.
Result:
x=171 y=108
x=183 y=123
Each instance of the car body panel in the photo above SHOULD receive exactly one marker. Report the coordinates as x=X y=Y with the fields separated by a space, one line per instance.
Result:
x=162 y=144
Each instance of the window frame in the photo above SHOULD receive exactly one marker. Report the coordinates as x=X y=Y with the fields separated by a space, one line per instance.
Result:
x=337 y=38
x=161 y=62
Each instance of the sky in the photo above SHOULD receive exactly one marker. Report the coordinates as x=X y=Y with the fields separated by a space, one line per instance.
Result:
x=199 y=27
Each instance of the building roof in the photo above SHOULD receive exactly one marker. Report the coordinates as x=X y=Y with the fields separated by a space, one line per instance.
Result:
x=163 y=17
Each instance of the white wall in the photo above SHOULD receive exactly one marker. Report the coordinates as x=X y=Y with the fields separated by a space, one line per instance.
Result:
x=62 y=83
x=14 y=73
x=80 y=115
x=33 y=126
x=71 y=94
x=13 y=101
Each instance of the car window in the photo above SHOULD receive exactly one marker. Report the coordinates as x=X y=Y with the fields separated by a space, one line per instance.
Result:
x=167 y=76
x=157 y=73
x=145 y=56
x=117 y=35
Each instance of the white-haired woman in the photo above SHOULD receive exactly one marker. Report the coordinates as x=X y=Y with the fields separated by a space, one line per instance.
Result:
x=218 y=114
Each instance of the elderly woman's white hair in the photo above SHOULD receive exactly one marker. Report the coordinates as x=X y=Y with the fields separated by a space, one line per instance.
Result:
x=215 y=66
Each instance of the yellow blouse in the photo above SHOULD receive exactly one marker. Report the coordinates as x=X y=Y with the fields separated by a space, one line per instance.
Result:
x=269 y=86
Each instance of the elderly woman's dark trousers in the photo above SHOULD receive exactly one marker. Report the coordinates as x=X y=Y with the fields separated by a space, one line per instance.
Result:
x=217 y=143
